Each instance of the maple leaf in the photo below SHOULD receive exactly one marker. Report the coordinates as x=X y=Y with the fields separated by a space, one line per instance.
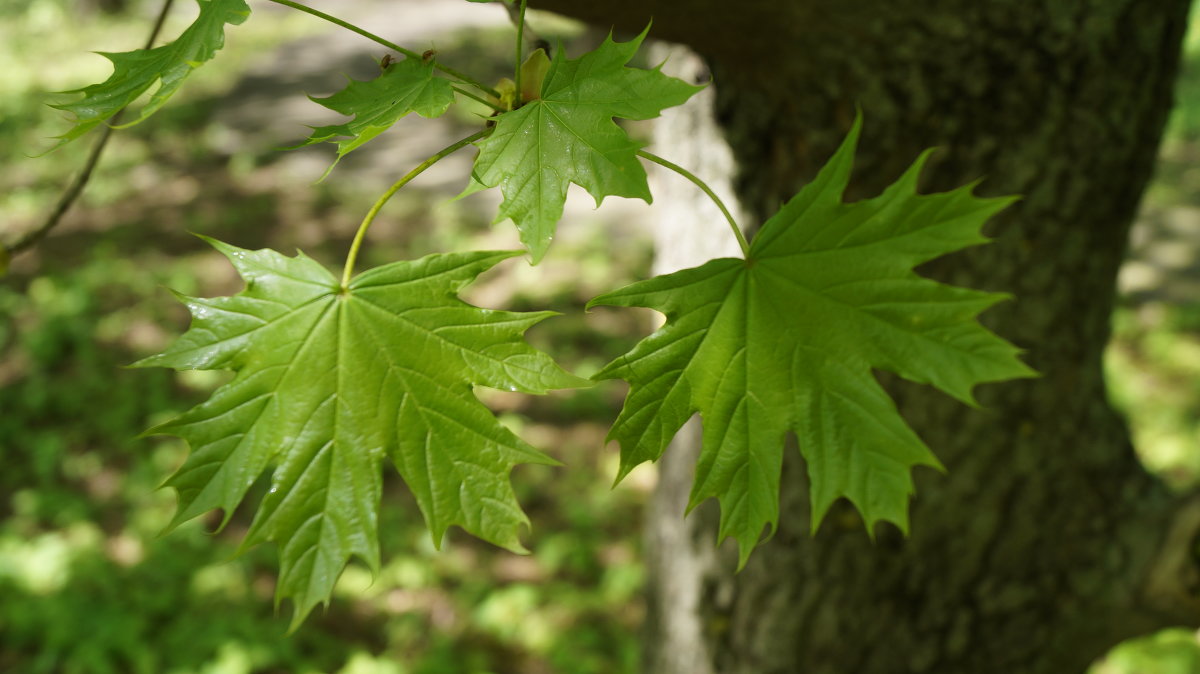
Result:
x=785 y=340
x=136 y=71
x=328 y=382
x=404 y=87
x=568 y=135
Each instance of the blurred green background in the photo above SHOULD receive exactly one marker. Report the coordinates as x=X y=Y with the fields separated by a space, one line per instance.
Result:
x=86 y=583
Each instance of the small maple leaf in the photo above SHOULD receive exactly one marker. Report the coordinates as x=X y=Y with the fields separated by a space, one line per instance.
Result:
x=136 y=71
x=785 y=340
x=329 y=382
x=403 y=87
x=567 y=135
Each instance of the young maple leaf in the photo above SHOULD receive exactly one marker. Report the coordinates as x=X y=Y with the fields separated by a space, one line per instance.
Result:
x=329 y=382
x=786 y=340
x=136 y=71
x=404 y=87
x=568 y=135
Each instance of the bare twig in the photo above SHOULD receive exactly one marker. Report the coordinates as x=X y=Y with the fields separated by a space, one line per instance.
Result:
x=29 y=238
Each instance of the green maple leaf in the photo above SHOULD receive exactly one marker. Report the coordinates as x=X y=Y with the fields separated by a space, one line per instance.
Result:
x=568 y=135
x=785 y=340
x=404 y=87
x=136 y=71
x=329 y=382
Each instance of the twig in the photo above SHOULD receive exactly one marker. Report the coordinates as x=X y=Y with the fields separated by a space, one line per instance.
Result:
x=457 y=74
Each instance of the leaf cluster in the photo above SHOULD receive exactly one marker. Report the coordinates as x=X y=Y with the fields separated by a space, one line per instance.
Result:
x=333 y=377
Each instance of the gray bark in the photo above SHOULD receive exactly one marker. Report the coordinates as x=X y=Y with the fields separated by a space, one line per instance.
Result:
x=1045 y=543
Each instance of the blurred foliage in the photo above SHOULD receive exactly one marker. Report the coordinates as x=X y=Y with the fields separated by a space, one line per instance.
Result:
x=1153 y=362
x=1172 y=651
x=1184 y=126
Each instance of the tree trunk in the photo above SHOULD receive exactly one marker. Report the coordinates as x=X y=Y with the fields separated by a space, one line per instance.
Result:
x=689 y=231
x=1045 y=543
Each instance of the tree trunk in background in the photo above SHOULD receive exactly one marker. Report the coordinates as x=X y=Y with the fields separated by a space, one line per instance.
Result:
x=1045 y=543
x=689 y=231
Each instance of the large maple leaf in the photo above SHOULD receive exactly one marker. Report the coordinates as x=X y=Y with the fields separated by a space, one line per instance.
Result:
x=567 y=135
x=329 y=381
x=785 y=340
x=404 y=87
x=136 y=71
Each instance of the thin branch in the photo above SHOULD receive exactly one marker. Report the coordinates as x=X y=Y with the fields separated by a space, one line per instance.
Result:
x=466 y=79
x=352 y=256
x=737 y=231
x=28 y=239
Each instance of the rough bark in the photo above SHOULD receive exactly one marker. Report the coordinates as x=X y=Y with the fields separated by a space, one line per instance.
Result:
x=1046 y=542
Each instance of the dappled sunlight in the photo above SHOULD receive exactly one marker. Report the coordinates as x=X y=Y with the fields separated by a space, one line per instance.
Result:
x=42 y=565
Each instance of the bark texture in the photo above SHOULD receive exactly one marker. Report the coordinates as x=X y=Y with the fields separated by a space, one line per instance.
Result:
x=1045 y=543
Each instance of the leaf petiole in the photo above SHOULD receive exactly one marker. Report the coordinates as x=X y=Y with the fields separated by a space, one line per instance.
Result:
x=520 y=37
x=379 y=203
x=737 y=231
x=476 y=97
x=467 y=79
